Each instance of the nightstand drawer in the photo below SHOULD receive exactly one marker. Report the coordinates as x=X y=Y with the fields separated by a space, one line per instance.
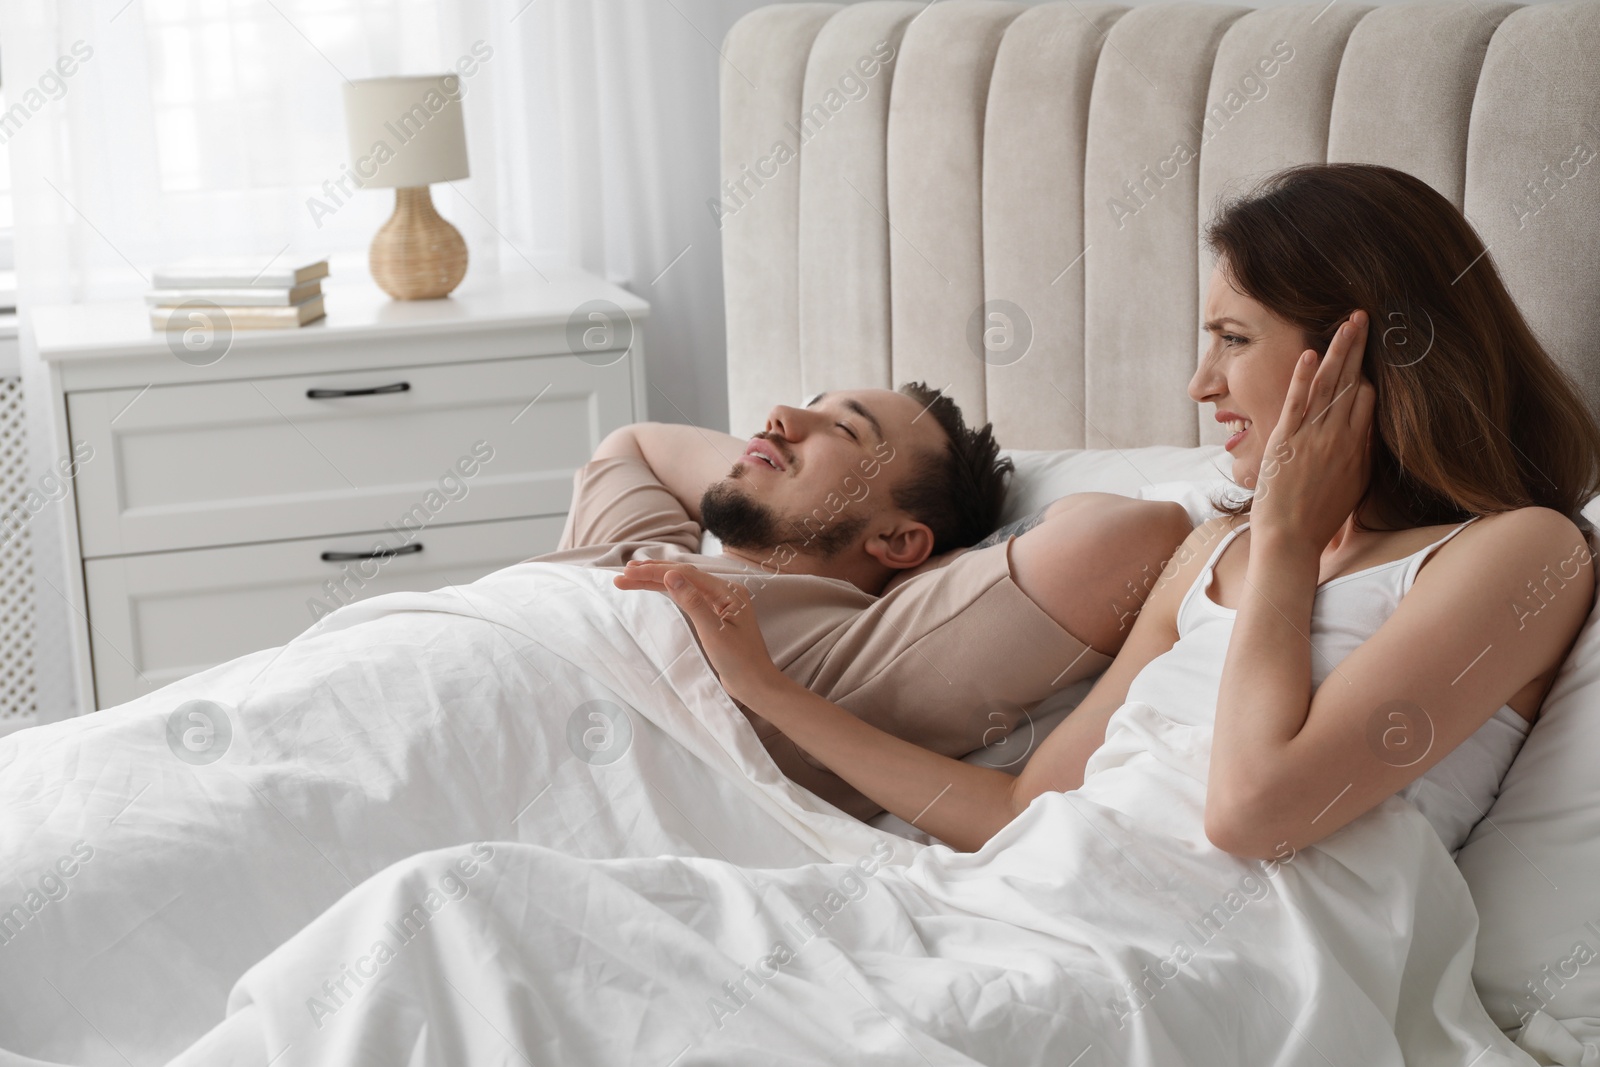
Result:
x=169 y=614
x=236 y=462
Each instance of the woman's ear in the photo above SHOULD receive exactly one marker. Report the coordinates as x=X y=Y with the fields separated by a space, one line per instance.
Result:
x=906 y=544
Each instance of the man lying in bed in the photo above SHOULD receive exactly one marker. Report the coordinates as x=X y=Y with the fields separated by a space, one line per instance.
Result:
x=849 y=521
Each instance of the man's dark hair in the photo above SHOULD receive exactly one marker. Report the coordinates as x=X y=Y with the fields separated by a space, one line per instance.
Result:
x=958 y=494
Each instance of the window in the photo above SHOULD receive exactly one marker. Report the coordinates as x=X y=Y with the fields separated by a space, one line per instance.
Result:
x=8 y=275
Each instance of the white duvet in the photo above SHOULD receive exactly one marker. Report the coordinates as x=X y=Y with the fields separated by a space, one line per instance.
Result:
x=519 y=822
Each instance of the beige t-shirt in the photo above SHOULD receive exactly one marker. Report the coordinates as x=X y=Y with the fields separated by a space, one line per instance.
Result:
x=948 y=659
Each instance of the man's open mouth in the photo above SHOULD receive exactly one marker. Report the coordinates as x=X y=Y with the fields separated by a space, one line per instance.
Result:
x=763 y=451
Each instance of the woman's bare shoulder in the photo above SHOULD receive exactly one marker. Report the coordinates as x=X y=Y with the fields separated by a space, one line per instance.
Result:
x=1532 y=558
x=1204 y=538
x=1529 y=537
x=1188 y=561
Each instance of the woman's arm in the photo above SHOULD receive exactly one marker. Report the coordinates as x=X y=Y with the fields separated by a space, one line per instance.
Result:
x=1496 y=608
x=961 y=804
x=1288 y=767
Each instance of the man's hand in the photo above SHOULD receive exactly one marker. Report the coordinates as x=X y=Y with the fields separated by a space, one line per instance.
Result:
x=722 y=616
x=684 y=459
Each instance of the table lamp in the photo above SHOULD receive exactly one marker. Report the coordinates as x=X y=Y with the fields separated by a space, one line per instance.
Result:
x=406 y=133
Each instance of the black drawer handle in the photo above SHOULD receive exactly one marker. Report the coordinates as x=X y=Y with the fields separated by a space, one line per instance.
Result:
x=378 y=553
x=326 y=394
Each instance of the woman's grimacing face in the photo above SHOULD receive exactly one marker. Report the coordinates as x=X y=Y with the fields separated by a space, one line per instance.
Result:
x=1244 y=371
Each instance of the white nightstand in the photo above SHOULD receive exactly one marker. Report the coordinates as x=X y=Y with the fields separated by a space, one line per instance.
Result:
x=222 y=506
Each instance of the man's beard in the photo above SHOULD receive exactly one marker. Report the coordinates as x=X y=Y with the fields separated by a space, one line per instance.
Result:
x=743 y=523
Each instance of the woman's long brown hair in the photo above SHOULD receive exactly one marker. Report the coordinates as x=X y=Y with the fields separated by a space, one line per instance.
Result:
x=1473 y=417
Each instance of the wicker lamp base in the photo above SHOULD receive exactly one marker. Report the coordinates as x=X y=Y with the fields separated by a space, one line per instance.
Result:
x=417 y=255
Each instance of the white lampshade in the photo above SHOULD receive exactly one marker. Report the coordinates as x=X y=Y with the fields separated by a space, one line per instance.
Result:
x=406 y=132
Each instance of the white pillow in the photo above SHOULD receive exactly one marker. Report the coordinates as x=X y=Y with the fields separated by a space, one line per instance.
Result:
x=1043 y=477
x=1534 y=868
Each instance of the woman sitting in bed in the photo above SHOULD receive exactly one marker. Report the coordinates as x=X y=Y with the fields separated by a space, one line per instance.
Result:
x=1388 y=611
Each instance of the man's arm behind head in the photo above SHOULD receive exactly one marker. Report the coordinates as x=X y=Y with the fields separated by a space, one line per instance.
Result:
x=684 y=459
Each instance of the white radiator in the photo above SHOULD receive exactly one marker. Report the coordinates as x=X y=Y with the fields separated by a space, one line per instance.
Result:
x=17 y=690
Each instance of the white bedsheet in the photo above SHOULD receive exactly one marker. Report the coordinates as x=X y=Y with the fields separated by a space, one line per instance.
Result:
x=403 y=774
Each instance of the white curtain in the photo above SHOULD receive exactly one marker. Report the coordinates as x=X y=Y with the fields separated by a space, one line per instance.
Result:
x=208 y=128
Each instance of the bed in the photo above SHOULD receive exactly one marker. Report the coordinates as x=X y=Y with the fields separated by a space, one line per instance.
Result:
x=1045 y=170
x=519 y=821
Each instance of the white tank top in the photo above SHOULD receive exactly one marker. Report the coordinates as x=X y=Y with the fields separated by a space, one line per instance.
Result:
x=1182 y=683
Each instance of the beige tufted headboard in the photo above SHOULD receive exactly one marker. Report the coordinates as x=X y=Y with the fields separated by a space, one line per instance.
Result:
x=889 y=168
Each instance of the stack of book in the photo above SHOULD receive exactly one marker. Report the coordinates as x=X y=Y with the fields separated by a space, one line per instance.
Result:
x=275 y=298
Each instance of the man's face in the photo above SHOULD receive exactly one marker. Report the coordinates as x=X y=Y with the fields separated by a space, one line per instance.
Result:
x=818 y=476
